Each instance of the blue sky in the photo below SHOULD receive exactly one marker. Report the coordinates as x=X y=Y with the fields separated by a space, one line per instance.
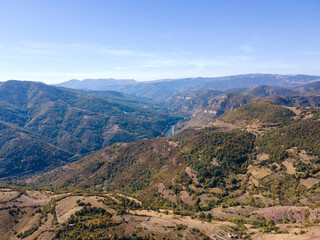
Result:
x=58 y=40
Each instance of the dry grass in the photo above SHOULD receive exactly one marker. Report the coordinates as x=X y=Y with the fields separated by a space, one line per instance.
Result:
x=222 y=125
x=160 y=223
x=7 y=196
x=262 y=157
x=304 y=157
x=186 y=198
x=192 y=174
x=158 y=220
x=309 y=182
x=167 y=193
x=288 y=163
x=259 y=172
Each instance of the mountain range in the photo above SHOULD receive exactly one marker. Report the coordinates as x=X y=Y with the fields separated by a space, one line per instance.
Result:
x=160 y=90
x=43 y=126
x=206 y=158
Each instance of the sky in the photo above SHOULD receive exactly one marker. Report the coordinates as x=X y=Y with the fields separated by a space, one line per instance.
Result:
x=58 y=40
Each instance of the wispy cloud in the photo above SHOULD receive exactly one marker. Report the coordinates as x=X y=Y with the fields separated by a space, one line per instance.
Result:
x=159 y=64
x=247 y=49
x=219 y=61
x=60 y=62
x=311 y=53
x=123 y=52
x=39 y=48
x=198 y=63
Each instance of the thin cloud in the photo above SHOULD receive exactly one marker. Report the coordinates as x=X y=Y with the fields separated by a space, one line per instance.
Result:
x=160 y=64
x=199 y=63
x=247 y=49
x=40 y=48
x=123 y=52
x=311 y=53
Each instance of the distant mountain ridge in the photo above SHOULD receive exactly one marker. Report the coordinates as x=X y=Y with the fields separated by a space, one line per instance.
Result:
x=95 y=84
x=270 y=91
x=160 y=90
x=204 y=106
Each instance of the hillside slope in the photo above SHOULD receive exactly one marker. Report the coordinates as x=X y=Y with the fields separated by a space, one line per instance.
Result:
x=258 y=161
x=229 y=101
x=253 y=172
x=71 y=121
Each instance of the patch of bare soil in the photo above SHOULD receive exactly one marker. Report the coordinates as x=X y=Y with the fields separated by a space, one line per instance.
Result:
x=304 y=157
x=39 y=195
x=196 y=189
x=255 y=128
x=186 y=198
x=262 y=157
x=6 y=196
x=204 y=198
x=309 y=115
x=290 y=213
x=231 y=212
x=296 y=111
x=172 y=143
x=159 y=220
x=277 y=213
x=192 y=174
x=131 y=198
x=292 y=150
x=30 y=201
x=312 y=233
x=214 y=162
x=215 y=190
x=222 y=125
x=309 y=182
x=68 y=206
x=288 y=163
x=67 y=213
x=265 y=200
x=259 y=172
x=112 y=197
x=27 y=222
x=47 y=225
x=167 y=193
x=46 y=235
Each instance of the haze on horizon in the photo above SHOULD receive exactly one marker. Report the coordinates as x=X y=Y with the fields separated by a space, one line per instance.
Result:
x=54 y=40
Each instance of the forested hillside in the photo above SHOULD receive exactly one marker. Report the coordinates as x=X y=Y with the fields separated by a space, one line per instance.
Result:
x=257 y=155
x=253 y=170
x=44 y=126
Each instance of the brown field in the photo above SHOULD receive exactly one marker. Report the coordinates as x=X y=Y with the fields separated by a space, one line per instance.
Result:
x=160 y=223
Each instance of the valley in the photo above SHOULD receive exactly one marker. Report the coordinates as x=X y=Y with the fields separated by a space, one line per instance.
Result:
x=159 y=120
x=43 y=126
x=207 y=164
